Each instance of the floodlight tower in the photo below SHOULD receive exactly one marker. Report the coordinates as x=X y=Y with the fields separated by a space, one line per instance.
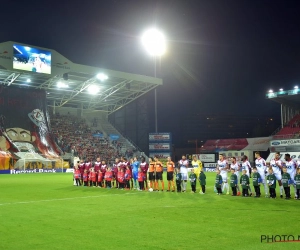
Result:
x=155 y=44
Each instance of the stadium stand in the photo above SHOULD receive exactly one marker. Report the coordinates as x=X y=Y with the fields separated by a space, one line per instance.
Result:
x=60 y=84
x=290 y=129
x=74 y=136
x=127 y=147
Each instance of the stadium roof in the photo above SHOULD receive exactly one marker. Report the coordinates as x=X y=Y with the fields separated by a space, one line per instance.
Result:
x=290 y=98
x=119 y=89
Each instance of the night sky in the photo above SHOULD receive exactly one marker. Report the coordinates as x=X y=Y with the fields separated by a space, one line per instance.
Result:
x=222 y=55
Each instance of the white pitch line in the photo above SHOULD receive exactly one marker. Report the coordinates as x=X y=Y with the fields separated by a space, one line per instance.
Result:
x=61 y=199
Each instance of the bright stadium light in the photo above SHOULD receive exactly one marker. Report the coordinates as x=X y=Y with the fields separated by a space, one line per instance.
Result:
x=154 y=42
x=296 y=87
x=93 y=89
x=270 y=91
x=62 y=85
x=281 y=89
x=102 y=77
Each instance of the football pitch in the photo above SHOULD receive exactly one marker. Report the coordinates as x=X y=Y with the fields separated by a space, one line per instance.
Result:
x=45 y=211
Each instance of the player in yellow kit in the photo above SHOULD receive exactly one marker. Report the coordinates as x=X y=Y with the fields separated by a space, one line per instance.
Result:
x=197 y=165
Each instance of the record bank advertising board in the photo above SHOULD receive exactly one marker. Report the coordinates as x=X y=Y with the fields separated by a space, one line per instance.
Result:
x=160 y=145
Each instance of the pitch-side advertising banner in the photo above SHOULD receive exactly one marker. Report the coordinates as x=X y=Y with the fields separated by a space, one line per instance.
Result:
x=207 y=157
x=283 y=143
x=160 y=147
x=159 y=137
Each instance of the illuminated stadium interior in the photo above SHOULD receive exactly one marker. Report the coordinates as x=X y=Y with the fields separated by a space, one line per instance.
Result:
x=69 y=84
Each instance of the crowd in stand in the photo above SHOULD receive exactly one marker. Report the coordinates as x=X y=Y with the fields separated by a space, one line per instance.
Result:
x=293 y=123
x=73 y=135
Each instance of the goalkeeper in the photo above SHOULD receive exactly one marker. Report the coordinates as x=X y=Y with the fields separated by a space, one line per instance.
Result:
x=197 y=165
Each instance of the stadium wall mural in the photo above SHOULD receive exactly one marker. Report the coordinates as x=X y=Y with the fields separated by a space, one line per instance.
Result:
x=26 y=144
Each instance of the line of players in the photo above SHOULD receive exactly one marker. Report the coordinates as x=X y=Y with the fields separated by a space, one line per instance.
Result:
x=275 y=167
x=122 y=174
x=133 y=174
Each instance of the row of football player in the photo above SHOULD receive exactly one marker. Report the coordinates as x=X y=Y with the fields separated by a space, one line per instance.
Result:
x=129 y=180
x=122 y=163
x=124 y=181
x=263 y=169
x=286 y=181
x=108 y=179
x=134 y=163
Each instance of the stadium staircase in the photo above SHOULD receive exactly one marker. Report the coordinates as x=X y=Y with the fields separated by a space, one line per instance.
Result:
x=126 y=143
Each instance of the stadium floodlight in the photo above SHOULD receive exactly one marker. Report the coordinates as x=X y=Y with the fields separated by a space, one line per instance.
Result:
x=28 y=80
x=296 y=87
x=154 y=42
x=102 y=77
x=281 y=89
x=93 y=89
x=270 y=91
x=62 y=85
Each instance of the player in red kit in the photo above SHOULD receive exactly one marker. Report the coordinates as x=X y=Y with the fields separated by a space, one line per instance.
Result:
x=87 y=165
x=100 y=179
x=103 y=167
x=97 y=165
x=144 y=168
x=127 y=177
x=125 y=163
x=85 y=178
x=81 y=168
x=77 y=176
x=115 y=168
x=141 y=179
x=108 y=177
x=121 y=178
x=92 y=177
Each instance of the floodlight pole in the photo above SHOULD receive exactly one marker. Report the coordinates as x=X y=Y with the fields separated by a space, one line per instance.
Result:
x=154 y=41
x=155 y=97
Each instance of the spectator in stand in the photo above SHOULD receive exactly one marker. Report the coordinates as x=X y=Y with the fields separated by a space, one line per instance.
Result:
x=74 y=136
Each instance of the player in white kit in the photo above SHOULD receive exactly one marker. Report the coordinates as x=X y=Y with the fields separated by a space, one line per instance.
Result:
x=223 y=167
x=276 y=165
x=246 y=166
x=236 y=166
x=183 y=165
x=291 y=167
x=298 y=163
x=261 y=166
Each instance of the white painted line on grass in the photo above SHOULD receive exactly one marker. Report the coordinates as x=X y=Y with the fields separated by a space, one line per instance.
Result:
x=61 y=199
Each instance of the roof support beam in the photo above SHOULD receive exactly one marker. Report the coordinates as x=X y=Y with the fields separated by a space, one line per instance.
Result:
x=11 y=78
x=77 y=91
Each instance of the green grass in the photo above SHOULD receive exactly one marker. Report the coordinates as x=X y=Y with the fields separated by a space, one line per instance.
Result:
x=45 y=211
